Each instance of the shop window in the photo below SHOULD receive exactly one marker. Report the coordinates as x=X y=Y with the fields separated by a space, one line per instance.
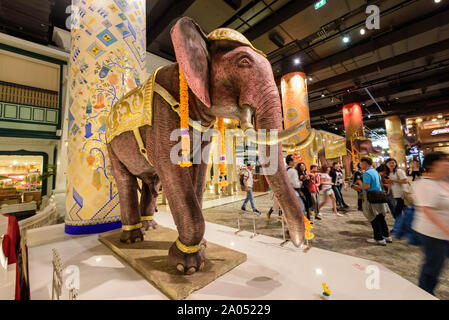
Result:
x=20 y=179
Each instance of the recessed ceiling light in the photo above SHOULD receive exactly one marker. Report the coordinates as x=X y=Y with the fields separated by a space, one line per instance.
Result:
x=362 y=31
x=310 y=78
x=297 y=61
x=346 y=39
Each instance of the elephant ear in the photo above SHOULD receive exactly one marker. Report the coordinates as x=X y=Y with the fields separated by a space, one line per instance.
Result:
x=191 y=51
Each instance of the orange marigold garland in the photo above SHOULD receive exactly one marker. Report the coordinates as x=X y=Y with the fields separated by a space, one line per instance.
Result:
x=220 y=124
x=184 y=109
x=308 y=227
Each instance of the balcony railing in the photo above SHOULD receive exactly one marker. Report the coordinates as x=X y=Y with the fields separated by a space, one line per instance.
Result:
x=19 y=94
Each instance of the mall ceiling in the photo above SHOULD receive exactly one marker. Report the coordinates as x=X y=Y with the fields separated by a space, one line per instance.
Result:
x=402 y=68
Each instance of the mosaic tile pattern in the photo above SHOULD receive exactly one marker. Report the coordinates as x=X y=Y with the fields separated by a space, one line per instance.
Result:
x=106 y=62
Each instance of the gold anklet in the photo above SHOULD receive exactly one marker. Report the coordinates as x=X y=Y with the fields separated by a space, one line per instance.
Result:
x=187 y=249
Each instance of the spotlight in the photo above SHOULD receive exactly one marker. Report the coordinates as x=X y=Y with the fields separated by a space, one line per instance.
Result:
x=362 y=31
x=346 y=39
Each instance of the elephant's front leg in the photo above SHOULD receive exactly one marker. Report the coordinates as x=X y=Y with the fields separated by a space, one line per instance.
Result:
x=127 y=189
x=188 y=252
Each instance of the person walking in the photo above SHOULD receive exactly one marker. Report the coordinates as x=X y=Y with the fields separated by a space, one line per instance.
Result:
x=314 y=190
x=431 y=221
x=248 y=182
x=292 y=174
x=304 y=178
x=337 y=178
x=415 y=168
x=328 y=193
x=397 y=183
x=275 y=207
x=374 y=212
x=358 y=180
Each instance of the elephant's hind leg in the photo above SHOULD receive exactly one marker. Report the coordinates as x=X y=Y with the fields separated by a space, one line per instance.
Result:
x=147 y=204
x=127 y=188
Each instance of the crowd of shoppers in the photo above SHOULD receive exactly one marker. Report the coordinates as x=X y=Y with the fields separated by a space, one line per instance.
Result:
x=381 y=191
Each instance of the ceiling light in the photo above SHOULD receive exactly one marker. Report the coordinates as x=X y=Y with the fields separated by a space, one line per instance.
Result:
x=14 y=162
x=336 y=128
x=369 y=116
x=434 y=119
x=297 y=61
x=346 y=39
x=310 y=78
x=362 y=31
x=419 y=120
x=323 y=95
x=437 y=1
x=440 y=116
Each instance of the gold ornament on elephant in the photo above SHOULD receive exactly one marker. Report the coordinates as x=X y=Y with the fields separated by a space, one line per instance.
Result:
x=232 y=35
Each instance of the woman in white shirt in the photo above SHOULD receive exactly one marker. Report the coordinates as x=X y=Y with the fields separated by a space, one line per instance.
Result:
x=326 y=186
x=397 y=182
x=431 y=221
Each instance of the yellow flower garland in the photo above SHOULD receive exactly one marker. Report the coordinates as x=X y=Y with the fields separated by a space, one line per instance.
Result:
x=220 y=124
x=184 y=109
x=308 y=227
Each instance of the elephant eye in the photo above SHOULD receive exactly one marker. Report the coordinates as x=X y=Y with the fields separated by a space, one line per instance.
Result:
x=244 y=62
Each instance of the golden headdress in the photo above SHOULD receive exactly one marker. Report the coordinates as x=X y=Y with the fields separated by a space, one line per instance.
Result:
x=231 y=35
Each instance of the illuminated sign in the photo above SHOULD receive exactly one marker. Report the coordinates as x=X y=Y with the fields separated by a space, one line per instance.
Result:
x=440 y=131
x=433 y=124
x=319 y=4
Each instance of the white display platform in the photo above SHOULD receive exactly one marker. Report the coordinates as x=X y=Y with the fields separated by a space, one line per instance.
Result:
x=271 y=271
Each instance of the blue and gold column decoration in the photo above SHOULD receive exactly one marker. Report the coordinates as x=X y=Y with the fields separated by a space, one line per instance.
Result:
x=107 y=60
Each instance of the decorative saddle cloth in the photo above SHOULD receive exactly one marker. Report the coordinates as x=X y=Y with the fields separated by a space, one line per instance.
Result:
x=135 y=110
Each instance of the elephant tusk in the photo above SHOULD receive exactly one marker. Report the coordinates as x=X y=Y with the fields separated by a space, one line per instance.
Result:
x=250 y=133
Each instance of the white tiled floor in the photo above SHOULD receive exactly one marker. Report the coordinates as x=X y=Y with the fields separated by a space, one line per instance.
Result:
x=271 y=271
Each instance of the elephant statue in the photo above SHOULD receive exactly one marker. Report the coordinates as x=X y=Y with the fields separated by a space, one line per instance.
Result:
x=227 y=78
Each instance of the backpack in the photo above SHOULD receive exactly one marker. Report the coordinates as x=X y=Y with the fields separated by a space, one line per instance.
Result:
x=242 y=177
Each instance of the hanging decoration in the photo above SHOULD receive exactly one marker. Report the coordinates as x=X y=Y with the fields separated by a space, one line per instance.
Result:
x=223 y=182
x=184 y=108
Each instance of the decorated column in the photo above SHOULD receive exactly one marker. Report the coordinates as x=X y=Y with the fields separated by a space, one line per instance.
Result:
x=353 y=121
x=107 y=60
x=395 y=135
x=295 y=105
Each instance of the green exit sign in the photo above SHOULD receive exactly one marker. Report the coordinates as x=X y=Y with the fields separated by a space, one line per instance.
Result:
x=319 y=4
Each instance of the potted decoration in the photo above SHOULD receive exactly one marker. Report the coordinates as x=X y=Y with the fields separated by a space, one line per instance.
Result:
x=326 y=292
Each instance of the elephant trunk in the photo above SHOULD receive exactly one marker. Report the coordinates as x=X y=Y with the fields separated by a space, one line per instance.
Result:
x=268 y=117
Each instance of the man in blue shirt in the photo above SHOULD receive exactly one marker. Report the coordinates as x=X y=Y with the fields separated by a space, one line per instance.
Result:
x=374 y=212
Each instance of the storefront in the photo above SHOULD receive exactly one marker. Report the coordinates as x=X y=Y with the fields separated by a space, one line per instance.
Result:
x=21 y=178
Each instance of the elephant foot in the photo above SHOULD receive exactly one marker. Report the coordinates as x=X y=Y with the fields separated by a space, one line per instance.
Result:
x=187 y=263
x=129 y=237
x=149 y=224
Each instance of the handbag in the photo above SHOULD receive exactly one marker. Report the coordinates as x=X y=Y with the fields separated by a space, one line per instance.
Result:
x=376 y=197
x=407 y=196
